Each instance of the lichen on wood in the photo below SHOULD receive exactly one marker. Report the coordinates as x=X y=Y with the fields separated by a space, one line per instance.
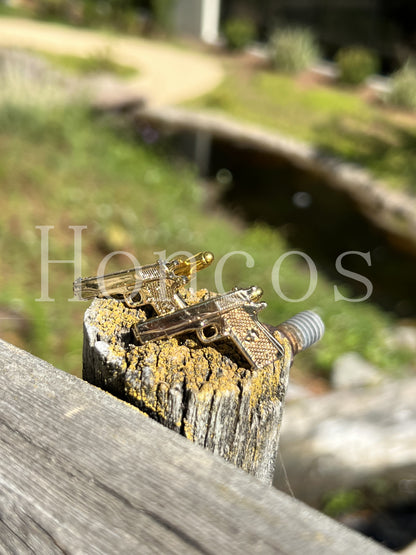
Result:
x=207 y=393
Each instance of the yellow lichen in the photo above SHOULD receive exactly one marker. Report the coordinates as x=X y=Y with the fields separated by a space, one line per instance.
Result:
x=113 y=317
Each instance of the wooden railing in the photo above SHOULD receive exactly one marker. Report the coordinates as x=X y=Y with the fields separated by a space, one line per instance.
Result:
x=83 y=472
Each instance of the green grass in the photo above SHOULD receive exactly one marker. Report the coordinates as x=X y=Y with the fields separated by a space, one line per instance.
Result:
x=13 y=11
x=97 y=62
x=60 y=167
x=335 y=120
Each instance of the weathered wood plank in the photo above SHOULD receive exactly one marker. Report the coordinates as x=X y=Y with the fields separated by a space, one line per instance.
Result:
x=83 y=472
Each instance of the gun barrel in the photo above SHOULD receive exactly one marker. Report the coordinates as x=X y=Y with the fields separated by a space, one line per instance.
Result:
x=124 y=281
x=87 y=288
x=187 y=319
x=194 y=263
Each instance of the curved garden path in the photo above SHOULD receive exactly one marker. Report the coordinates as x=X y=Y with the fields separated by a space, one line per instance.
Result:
x=168 y=75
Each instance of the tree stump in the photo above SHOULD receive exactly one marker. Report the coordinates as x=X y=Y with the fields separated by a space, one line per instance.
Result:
x=209 y=394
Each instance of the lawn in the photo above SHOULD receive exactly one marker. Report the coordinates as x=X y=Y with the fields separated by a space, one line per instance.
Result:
x=337 y=120
x=97 y=62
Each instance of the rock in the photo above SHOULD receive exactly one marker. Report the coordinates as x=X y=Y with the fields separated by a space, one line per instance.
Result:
x=346 y=440
x=296 y=391
x=350 y=370
x=403 y=337
x=109 y=93
x=410 y=549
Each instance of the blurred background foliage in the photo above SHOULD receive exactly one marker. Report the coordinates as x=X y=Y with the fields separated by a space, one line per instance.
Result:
x=293 y=50
x=62 y=166
x=356 y=64
x=128 y=16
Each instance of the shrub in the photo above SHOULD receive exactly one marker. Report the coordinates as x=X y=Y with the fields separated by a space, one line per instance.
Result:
x=51 y=9
x=356 y=64
x=403 y=90
x=239 y=33
x=293 y=49
x=162 y=11
x=28 y=80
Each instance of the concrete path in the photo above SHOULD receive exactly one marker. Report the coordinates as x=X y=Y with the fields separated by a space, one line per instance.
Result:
x=168 y=75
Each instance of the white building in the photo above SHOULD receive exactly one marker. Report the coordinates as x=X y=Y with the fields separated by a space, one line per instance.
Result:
x=199 y=18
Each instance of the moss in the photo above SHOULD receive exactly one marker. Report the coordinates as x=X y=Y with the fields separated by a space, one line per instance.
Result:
x=343 y=501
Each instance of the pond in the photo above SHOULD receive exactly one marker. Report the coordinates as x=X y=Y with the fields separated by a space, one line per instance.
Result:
x=309 y=212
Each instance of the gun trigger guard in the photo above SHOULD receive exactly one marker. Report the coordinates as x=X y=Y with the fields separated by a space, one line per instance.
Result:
x=208 y=338
x=131 y=303
x=171 y=266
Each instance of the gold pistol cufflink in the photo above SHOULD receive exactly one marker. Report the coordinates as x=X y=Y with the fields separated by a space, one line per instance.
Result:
x=230 y=316
x=156 y=284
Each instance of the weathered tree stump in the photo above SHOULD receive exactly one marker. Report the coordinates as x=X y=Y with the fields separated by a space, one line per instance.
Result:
x=207 y=393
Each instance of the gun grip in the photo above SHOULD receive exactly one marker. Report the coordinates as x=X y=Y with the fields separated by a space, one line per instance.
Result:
x=252 y=338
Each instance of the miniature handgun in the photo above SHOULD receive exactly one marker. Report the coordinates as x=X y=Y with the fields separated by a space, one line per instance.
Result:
x=232 y=315
x=155 y=284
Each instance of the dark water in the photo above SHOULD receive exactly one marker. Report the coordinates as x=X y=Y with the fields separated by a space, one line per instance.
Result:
x=394 y=527
x=312 y=216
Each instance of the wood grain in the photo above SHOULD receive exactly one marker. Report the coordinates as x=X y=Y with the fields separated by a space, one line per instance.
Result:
x=83 y=472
